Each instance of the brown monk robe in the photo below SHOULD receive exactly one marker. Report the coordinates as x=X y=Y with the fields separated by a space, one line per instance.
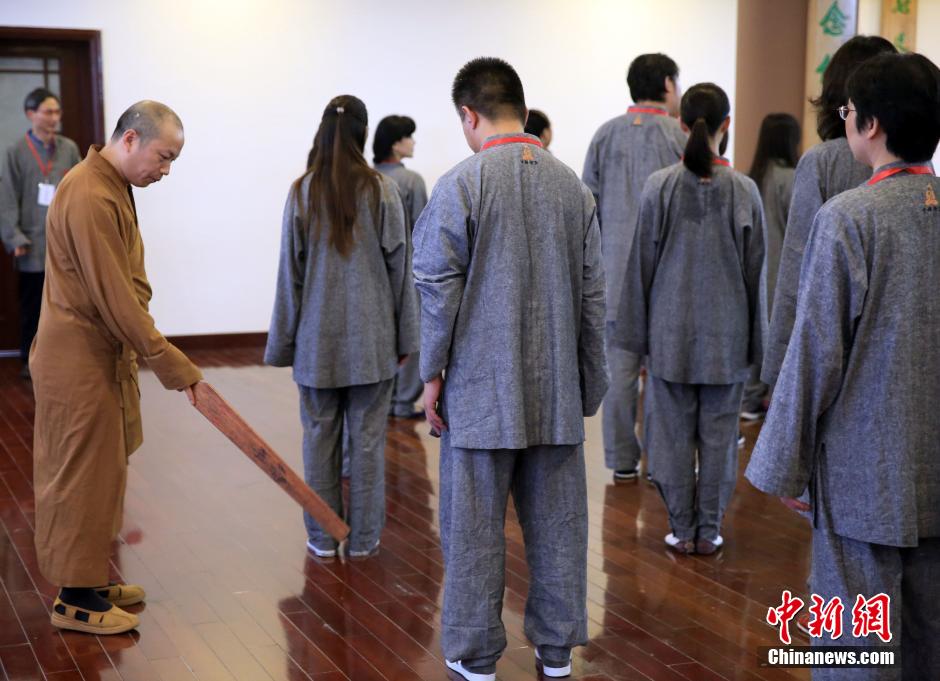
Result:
x=93 y=327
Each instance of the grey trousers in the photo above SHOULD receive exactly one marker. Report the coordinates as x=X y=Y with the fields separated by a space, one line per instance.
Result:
x=362 y=411
x=550 y=496
x=408 y=387
x=845 y=568
x=681 y=420
x=618 y=413
x=754 y=391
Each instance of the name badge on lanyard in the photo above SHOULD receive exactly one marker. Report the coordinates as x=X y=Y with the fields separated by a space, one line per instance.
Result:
x=46 y=189
x=46 y=193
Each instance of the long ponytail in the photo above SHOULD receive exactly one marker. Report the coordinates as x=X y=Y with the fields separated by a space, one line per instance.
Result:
x=339 y=174
x=703 y=109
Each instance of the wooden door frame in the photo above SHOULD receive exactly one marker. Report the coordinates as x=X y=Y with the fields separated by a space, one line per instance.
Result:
x=92 y=39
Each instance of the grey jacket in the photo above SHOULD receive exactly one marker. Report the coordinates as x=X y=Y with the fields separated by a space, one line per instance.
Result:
x=414 y=194
x=854 y=411
x=507 y=262
x=344 y=321
x=776 y=192
x=624 y=152
x=692 y=291
x=22 y=219
x=826 y=170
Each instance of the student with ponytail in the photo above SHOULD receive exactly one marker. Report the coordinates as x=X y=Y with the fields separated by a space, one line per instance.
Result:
x=345 y=317
x=690 y=304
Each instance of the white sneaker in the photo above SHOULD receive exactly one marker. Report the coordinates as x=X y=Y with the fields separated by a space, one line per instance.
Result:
x=676 y=544
x=363 y=554
x=467 y=674
x=554 y=672
x=321 y=553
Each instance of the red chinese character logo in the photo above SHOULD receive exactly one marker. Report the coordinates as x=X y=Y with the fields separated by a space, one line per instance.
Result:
x=782 y=615
x=828 y=618
x=872 y=617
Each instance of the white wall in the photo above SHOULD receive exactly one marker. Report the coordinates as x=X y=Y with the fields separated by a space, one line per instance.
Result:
x=250 y=79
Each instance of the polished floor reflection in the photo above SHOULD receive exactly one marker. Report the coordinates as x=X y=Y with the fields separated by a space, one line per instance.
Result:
x=233 y=594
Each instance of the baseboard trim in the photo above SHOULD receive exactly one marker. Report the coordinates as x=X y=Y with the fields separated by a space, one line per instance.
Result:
x=219 y=341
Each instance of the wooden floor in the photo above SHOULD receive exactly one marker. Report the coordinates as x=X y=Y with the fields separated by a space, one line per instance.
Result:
x=233 y=594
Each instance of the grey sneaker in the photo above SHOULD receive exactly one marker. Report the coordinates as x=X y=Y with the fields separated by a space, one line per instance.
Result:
x=553 y=669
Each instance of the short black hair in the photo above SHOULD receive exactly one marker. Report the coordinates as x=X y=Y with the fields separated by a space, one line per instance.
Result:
x=846 y=59
x=491 y=87
x=903 y=92
x=35 y=98
x=390 y=130
x=537 y=122
x=647 y=76
x=146 y=118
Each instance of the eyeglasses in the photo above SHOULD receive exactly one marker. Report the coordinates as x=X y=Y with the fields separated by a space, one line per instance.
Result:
x=844 y=112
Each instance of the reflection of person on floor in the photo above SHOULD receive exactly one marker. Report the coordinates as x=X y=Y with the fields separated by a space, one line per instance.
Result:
x=32 y=168
x=853 y=418
x=690 y=303
x=507 y=261
x=94 y=325
x=345 y=317
x=394 y=141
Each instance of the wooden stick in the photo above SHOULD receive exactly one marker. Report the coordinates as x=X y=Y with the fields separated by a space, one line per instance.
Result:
x=221 y=414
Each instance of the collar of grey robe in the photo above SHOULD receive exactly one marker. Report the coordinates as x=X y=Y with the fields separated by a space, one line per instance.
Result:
x=496 y=138
x=393 y=164
x=902 y=164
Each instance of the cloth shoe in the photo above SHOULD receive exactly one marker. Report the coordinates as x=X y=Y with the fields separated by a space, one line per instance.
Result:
x=467 y=674
x=113 y=621
x=553 y=669
x=122 y=595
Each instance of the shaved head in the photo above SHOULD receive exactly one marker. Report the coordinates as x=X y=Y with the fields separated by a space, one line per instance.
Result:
x=147 y=118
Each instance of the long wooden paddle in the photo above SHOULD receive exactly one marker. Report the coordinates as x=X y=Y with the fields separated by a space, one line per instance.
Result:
x=221 y=415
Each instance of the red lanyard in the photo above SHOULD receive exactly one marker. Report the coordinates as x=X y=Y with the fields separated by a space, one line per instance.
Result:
x=888 y=172
x=718 y=161
x=648 y=110
x=43 y=168
x=510 y=140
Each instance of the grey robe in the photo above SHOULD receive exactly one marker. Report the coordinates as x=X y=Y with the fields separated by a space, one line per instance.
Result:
x=854 y=413
x=691 y=295
x=776 y=190
x=624 y=152
x=824 y=171
x=414 y=194
x=344 y=321
x=507 y=262
x=22 y=219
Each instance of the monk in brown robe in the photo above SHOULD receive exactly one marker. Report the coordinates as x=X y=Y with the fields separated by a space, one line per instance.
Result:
x=93 y=327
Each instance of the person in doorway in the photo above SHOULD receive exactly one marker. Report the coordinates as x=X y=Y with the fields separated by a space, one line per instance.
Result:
x=33 y=167
x=512 y=355
x=690 y=302
x=624 y=152
x=94 y=326
x=394 y=142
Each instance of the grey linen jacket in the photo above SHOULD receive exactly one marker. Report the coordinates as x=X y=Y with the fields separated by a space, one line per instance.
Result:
x=22 y=219
x=508 y=266
x=691 y=297
x=826 y=170
x=622 y=155
x=344 y=321
x=414 y=194
x=854 y=413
